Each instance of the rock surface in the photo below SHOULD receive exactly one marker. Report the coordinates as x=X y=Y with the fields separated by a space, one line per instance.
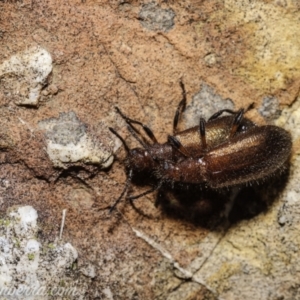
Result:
x=29 y=269
x=133 y=54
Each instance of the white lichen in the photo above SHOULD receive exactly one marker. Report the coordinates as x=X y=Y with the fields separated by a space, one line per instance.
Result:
x=290 y=119
x=29 y=70
x=28 y=269
x=204 y=104
x=69 y=142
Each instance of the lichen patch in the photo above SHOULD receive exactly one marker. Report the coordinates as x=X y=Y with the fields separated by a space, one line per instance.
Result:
x=70 y=141
x=26 y=73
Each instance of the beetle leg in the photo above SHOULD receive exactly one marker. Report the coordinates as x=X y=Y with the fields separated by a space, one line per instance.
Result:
x=147 y=130
x=202 y=133
x=180 y=108
x=127 y=184
x=236 y=122
x=174 y=142
x=220 y=112
x=158 y=186
x=238 y=119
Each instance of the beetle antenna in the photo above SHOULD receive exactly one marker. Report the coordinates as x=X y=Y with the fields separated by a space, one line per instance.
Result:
x=122 y=140
x=131 y=128
x=132 y=131
x=147 y=130
x=127 y=184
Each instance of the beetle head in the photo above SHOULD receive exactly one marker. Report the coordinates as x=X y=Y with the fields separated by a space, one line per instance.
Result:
x=139 y=160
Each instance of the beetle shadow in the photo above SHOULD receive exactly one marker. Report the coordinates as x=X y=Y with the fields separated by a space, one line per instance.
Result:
x=256 y=199
x=201 y=207
x=210 y=208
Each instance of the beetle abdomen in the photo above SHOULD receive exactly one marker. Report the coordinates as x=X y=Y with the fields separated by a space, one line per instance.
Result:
x=253 y=155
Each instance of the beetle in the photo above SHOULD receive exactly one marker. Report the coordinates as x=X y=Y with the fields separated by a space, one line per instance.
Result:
x=225 y=151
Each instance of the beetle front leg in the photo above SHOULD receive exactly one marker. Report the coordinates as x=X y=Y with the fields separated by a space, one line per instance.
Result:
x=157 y=187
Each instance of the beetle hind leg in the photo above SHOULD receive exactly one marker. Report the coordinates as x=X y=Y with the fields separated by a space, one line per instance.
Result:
x=202 y=133
x=236 y=122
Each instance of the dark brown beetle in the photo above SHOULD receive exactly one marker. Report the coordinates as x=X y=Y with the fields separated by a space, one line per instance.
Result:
x=223 y=152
